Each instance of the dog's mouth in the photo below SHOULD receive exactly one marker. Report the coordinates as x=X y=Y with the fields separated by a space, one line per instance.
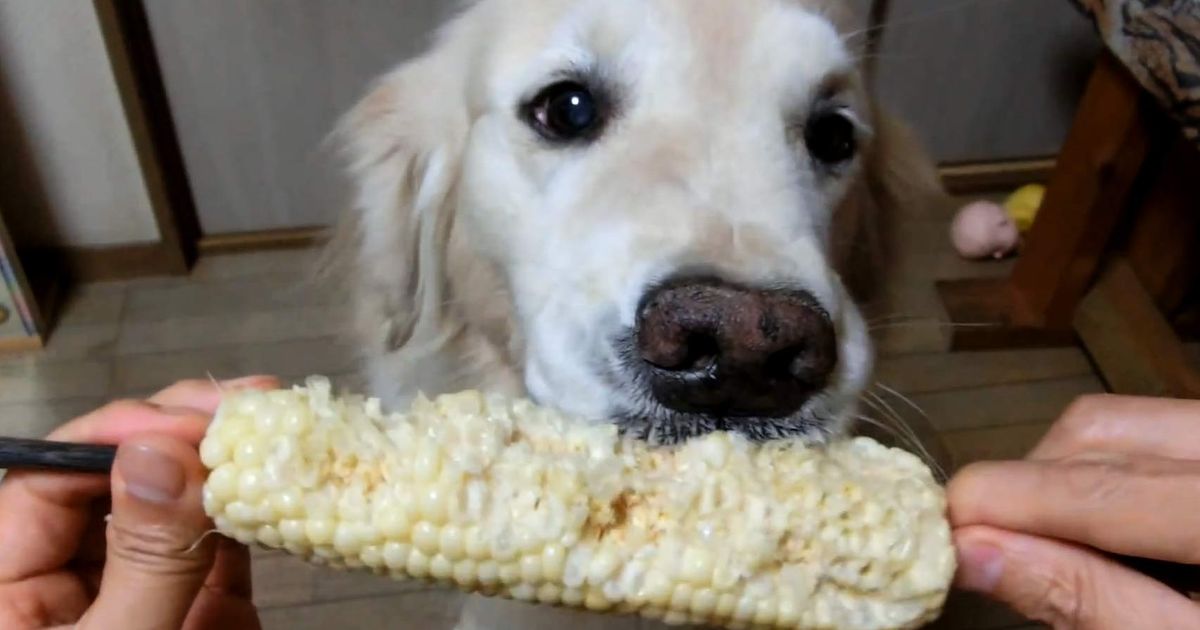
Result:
x=658 y=425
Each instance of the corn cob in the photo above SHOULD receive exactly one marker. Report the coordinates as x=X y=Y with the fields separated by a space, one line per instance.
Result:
x=505 y=498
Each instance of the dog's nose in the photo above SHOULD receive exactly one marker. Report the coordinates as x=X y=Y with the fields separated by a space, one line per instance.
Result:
x=727 y=351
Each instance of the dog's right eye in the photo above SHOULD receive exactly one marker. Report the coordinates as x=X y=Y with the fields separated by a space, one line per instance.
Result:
x=565 y=111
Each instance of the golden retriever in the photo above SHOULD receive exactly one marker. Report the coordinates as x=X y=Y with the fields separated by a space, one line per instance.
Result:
x=641 y=211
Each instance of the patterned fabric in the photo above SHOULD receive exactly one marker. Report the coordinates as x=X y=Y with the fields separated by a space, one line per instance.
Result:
x=1159 y=40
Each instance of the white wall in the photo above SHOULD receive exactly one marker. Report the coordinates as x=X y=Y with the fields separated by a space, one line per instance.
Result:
x=66 y=131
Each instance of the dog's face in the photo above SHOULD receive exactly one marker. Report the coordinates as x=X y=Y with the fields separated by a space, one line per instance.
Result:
x=654 y=185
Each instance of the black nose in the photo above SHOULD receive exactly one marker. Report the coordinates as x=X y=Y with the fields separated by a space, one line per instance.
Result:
x=726 y=351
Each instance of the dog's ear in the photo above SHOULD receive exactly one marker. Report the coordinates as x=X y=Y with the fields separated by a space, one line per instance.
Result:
x=899 y=179
x=402 y=144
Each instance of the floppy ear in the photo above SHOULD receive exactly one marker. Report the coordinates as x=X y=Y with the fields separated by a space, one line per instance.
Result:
x=402 y=144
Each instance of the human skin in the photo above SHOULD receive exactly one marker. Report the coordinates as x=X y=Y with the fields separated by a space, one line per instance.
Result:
x=151 y=565
x=1115 y=476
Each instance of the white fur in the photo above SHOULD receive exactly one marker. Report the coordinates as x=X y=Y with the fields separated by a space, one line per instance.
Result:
x=486 y=258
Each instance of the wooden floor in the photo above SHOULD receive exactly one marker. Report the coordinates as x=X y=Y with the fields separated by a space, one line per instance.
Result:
x=254 y=313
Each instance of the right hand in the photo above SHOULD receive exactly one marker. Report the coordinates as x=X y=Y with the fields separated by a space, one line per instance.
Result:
x=1115 y=475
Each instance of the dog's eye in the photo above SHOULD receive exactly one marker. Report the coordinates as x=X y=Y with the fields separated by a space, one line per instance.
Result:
x=565 y=111
x=831 y=137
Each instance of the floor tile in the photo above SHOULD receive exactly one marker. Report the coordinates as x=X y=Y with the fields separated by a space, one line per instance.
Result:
x=35 y=420
x=422 y=610
x=286 y=359
x=189 y=332
x=92 y=304
x=916 y=374
x=1019 y=404
x=281 y=580
x=95 y=341
x=993 y=443
x=31 y=380
x=301 y=262
x=271 y=292
x=332 y=585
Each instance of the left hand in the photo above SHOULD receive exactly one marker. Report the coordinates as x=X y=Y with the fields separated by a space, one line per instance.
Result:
x=151 y=566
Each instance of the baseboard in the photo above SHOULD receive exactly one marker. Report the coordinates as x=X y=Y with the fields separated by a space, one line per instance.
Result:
x=289 y=238
x=20 y=345
x=965 y=178
x=117 y=262
x=999 y=176
x=90 y=264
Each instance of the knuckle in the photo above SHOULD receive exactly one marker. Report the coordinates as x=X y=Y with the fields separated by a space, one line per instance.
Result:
x=125 y=406
x=1063 y=605
x=1096 y=479
x=1087 y=423
x=1084 y=410
x=187 y=385
x=159 y=549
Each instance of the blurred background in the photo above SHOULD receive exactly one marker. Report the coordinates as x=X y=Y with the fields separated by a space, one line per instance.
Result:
x=252 y=89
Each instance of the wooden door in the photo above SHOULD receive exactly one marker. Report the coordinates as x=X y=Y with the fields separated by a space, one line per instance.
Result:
x=256 y=86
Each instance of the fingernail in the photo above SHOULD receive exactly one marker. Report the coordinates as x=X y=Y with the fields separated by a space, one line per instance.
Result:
x=151 y=475
x=979 y=567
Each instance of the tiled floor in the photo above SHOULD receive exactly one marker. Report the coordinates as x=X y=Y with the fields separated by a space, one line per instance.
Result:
x=256 y=313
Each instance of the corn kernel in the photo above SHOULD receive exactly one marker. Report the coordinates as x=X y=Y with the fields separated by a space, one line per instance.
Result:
x=506 y=498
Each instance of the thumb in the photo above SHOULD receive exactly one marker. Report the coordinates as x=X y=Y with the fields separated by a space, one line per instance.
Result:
x=1065 y=585
x=154 y=567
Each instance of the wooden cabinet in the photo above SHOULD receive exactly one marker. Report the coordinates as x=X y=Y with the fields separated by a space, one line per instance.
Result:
x=21 y=323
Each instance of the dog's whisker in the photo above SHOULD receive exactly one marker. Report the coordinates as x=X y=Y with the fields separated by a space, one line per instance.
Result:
x=914 y=446
x=880 y=319
x=917 y=18
x=891 y=430
x=887 y=410
x=931 y=324
x=905 y=399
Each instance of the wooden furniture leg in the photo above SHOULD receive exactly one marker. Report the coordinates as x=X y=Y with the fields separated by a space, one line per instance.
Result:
x=1126 y=322
x=1085 y=200
x=1134 y=347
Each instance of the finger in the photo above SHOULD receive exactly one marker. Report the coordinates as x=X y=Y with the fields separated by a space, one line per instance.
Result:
x=205 y=396
x=225 y=599
x=119 y=420
x=1064 y=585
x=230 y=574
x=158 y=557
x=43 y=601
x=1142 y=507
x=218 y=610
x=1126 y=424
x=49 y=512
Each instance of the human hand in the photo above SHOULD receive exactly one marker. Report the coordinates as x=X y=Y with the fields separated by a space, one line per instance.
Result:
x=151 y=567
x=1114 y=476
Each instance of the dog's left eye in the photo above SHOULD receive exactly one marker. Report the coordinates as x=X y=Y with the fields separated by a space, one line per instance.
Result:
x=565 y=111
x=831 y=137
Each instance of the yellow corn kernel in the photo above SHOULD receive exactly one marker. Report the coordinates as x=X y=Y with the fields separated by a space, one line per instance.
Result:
x=522 y=502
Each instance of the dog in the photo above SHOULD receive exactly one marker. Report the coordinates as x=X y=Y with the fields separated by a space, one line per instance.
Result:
x=650 y=212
